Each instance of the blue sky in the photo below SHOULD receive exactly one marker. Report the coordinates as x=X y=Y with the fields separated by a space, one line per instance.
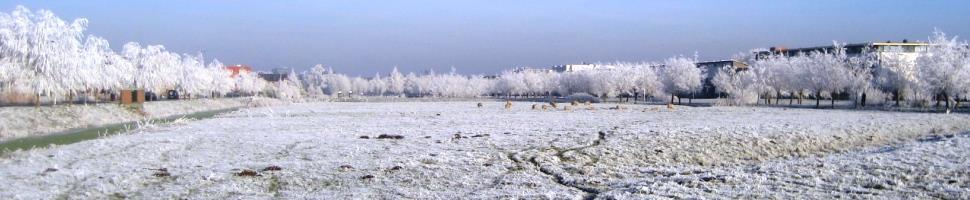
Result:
x=364 y=37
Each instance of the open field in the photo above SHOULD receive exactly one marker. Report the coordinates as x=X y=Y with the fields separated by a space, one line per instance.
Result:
x=450 y=150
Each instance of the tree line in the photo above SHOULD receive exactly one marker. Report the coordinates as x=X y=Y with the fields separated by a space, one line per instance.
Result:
x=42 y=55
x=940 y=74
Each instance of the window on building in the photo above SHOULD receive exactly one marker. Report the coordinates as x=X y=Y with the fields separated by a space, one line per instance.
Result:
x=920 y=48
x=910 y=49
x=891 y=49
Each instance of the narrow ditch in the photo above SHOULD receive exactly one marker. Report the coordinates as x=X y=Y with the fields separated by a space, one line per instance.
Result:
x=82 y=134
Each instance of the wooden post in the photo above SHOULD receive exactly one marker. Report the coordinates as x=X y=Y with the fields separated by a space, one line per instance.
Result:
x=126 y=97
x=139 y=96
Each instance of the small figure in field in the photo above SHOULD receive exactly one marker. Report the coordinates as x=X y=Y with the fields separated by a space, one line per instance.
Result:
x=566 y=107
x=479 y=104
x=617 y=107
x=544 y=107
x=573 y=103
x=587 y=103
x=508 y=105
x=535 y=106
x=670 y=106
x=553 y=104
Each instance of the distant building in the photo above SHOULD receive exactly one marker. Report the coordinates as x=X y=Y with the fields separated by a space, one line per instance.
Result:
x=904 y=51
x=273 y=77
x=235 y=70
x=710 y=68
x=533 y=70
x=276 y=75
x=580 y=67
x=281 y=70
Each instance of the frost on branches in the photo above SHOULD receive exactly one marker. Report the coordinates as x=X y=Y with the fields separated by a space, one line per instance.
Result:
x=939 y=73
x=42 y=55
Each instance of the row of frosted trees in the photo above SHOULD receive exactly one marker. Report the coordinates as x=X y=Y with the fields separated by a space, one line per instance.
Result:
x=42 y=55
x=674 y=76
x=323 y=81
x=939 y=74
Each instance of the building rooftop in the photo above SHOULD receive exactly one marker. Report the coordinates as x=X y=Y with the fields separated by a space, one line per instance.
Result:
x=849 y=45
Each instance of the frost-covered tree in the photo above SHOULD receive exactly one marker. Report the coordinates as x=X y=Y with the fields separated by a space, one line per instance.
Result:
x=826 y=73
x=648 y=82
x=511 y=83
x=740 y=85
x=359 y=86
x=338 y=84
x=681 y=76
x=45 y=50
x=45 y=56
x=377 y=85
x=315 y=80
x=896 y=75
x=860 y=79
x=222 y=80
x=250 y=84
x=942 y=68
x=395 y=83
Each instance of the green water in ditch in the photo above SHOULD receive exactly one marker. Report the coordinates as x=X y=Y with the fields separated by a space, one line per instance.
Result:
x=82 y=134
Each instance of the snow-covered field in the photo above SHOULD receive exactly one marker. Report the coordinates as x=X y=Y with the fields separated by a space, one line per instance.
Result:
x=455 y=150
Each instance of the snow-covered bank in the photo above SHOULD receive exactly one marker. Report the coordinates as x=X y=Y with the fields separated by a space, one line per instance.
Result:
x=25 y=121
x=449 y=150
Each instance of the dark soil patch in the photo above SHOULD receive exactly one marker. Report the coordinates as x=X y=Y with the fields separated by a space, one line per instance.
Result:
x=272 y=168
x=713 y=178
x=247 y=172
x=388 y=136
x=935 y=138
x=161 y=172
x=876 y=186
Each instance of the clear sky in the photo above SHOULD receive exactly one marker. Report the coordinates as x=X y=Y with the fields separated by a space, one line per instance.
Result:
x=364 y=37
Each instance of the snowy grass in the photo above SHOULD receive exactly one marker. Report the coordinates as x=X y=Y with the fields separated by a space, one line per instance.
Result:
x=18 y=122
x=455 y=150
